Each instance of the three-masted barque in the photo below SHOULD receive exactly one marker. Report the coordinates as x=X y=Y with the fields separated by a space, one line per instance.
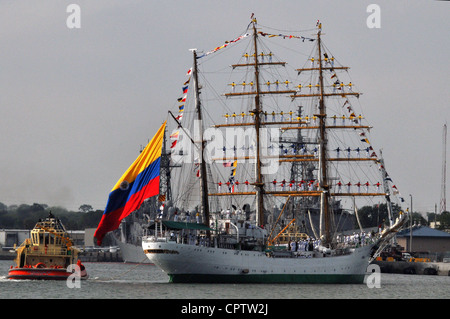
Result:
x=295 y=161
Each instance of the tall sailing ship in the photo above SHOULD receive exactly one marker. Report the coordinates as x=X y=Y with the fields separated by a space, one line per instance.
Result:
x=267 y=186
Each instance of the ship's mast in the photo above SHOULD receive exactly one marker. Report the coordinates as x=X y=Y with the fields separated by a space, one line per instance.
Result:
x=386 y=189
x=257 y=111
x=323 y=174
x=164 y=172
x=203 y=176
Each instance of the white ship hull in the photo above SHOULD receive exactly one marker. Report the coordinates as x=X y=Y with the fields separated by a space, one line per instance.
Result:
x=191 y=263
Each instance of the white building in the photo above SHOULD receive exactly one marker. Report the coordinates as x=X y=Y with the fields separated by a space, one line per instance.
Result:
x=9 y=237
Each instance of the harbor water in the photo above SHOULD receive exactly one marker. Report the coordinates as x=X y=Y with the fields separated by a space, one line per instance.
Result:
x=145 y=281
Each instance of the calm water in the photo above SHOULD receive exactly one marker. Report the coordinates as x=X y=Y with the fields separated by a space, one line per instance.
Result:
x=126 y=281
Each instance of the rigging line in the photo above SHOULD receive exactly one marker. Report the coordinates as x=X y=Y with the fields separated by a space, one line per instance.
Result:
x=281 y=30
x=181 y=126
x=215 y=94
x=121 y=275
x=186 y=180
x=289 y=49
x=329 y=51
x=219 y=48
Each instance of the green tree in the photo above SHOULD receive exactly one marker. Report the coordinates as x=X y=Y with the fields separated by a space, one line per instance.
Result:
x=92 y=218
x=373 y=216
x=85 y=208
x=444 y=219
x=25 y=216
x=3 y=208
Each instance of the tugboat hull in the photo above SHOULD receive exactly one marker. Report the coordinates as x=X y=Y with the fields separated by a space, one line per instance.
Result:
x=42 y=273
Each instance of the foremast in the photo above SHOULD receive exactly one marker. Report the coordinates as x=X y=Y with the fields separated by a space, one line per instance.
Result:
x=203 y=176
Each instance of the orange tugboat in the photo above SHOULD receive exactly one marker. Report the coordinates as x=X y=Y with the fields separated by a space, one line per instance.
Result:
x=48 y=254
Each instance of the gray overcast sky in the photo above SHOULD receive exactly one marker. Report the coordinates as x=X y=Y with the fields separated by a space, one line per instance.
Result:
x=76 y=104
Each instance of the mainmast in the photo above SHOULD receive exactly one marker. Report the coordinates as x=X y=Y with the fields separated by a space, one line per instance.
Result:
x=203 y=176
x=257 y=111
x=323 y=174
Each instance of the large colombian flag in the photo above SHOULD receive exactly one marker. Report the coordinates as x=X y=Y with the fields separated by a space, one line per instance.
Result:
x=138 y=183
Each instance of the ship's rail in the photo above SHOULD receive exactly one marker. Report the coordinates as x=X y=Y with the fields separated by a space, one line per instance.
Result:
x=25 y=243
x=185 y=240
x=154 y=239
x=46 y=251
x=40 y=250
x=217 y=242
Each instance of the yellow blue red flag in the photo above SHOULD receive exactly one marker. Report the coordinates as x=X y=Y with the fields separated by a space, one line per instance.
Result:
x=138 y=183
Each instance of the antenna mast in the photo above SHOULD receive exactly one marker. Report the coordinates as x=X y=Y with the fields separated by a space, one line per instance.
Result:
x=444 y=169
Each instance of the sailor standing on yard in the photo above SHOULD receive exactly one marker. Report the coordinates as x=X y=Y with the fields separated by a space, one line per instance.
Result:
x=339 y=184
x=367 y=186
x=242 y=117
x=348 y=187
x=287 y=84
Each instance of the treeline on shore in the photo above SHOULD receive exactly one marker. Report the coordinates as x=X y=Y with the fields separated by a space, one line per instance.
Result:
x=25 y=216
